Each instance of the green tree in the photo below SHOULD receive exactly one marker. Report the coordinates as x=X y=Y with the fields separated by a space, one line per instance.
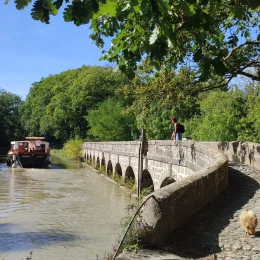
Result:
x=33 y=109
x=11 y=128
x=108 y=123
x=220 y=117
x=57 y=105
x=250 y=123
x=157 y=96
x=215 y=36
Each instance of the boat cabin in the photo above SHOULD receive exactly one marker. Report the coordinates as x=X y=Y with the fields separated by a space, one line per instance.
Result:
x=33 y=152
x=30 y=145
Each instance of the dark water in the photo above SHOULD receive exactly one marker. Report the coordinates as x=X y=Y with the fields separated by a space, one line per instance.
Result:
x=58 y=213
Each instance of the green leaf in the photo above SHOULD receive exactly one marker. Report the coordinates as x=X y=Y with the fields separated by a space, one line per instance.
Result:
x=254 y=3
x=219 y=66
x=247 y=34
x=109 y=8
x=20 y=4
x=238 y=11
x=188 y=10
x=52 y=8
x=40 y=12
x=58 y=3
x=233 y=39
x=154 y=35
x=197 y=55
x=169 y=43
x=192 y=9
x=126 y=7
x=79 y=12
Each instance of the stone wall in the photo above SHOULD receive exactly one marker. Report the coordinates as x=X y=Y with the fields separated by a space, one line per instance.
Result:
x=175 y=159
x=165 y=159
x=169 y=207
x=244 y=152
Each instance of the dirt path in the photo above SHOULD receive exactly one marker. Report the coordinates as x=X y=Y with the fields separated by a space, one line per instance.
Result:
x=215 y=231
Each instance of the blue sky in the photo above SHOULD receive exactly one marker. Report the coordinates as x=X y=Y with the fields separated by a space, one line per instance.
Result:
x=30 y=50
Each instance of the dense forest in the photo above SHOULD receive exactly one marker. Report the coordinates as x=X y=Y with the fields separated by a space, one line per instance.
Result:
x=101 y=104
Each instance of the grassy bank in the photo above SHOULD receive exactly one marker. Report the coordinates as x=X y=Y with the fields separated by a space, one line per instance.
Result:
x=71 y=150
x=60 y=153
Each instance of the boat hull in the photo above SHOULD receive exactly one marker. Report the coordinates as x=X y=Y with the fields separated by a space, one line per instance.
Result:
x=26 y=160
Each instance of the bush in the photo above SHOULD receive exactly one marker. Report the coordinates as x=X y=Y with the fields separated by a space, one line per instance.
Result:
x=73 y=148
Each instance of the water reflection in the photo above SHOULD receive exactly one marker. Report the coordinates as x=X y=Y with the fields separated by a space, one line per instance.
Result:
x=63 y=163
x=31 y=240
x=58 y=213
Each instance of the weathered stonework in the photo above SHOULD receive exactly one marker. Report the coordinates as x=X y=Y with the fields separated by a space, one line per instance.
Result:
x=164 y=159
x=239 y=152
x=200 y=174
x=168 y=208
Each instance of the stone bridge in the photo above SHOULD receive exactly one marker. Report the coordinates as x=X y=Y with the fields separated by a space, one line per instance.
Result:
x=165 y=163
x=185 y=176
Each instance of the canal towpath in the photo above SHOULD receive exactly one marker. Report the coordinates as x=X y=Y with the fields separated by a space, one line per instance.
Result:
x=215 y=231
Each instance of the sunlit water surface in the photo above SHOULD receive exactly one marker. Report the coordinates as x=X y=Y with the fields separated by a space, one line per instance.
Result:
x=58 y=213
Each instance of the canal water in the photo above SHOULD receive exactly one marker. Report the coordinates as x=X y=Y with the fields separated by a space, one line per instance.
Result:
x=65 y=212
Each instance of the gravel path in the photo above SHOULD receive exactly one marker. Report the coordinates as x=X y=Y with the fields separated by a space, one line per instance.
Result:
x=215 y=231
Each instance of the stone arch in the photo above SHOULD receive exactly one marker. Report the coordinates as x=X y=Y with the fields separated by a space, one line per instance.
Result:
x=118 y=169
x=103 y=164
x=109 y=168
x=87 y=157
x=98 y=163
x=90 y=160
x=129 y=174
x=147 y=181
x=167 y=181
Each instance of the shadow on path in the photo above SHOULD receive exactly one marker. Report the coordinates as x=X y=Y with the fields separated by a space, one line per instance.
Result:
x=199 y=237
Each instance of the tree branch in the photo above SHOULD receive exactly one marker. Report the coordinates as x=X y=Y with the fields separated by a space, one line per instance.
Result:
x=253 y=77
x=221 y=84
x=250 y=64
x=240 y=46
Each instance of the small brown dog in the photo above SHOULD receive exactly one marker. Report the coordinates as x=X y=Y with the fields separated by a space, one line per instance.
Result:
x=248 y=220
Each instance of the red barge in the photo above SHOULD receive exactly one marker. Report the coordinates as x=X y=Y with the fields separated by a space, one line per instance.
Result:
x=34 y=152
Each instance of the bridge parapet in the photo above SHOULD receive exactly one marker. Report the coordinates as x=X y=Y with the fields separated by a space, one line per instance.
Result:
x=174 y=160
x=171 y=206
x=237 y=151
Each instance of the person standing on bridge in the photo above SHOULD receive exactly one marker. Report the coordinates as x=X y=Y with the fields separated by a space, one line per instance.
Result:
x=176 y=134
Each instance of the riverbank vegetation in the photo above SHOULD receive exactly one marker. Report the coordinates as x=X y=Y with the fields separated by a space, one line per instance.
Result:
x=10 y=124
x=73 y=148
x=99 y=104
x=129 y=183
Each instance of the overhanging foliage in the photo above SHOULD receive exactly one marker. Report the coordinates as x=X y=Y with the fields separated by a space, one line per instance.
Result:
x=215 y=36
